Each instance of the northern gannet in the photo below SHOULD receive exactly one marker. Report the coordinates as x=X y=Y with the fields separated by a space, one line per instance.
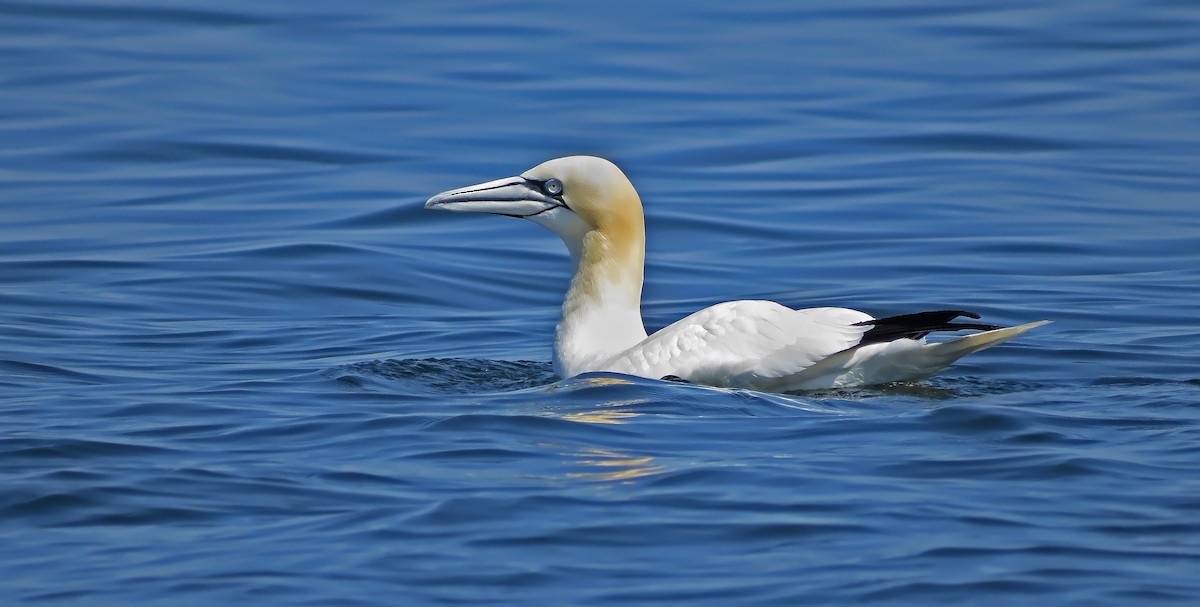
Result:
x=760 y=345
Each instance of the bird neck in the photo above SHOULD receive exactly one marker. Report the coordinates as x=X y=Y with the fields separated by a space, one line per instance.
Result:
x=602 y=313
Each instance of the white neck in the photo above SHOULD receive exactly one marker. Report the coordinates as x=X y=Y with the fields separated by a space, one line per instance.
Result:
x=602 y=313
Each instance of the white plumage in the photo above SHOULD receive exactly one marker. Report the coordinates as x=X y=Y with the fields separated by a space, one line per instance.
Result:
x=763 y=345
x=742 y=343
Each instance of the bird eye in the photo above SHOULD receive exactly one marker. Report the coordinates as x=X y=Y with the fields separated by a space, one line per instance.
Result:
x=553 y=187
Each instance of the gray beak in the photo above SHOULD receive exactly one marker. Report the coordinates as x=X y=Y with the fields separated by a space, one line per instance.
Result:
x=511 y=196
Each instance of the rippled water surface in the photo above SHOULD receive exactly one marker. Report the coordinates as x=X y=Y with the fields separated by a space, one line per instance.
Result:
x=239 y=364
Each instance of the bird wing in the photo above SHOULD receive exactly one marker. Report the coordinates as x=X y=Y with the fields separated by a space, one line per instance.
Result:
x=743 y=343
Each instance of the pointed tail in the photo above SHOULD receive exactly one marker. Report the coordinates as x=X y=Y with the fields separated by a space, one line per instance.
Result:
x=900 y=360
x=949 y=351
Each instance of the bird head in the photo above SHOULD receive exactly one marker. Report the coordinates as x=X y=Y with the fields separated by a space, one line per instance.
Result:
x=570 y=196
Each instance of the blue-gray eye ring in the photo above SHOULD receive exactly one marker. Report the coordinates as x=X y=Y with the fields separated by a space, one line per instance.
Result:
x=553 y=187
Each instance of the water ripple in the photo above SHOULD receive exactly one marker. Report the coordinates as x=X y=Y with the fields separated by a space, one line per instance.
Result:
x=242 y=365
x=125 y=14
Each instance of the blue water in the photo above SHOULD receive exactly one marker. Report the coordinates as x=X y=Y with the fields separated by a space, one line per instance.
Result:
x=240 y=365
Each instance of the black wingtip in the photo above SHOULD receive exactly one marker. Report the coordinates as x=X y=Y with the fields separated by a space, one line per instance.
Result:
x=918 y=325
x=929 y=317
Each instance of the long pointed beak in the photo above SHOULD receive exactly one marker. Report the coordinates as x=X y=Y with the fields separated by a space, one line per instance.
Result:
x=511 y=196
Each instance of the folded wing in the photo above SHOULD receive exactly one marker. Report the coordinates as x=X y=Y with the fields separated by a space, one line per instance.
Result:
x=743 y=343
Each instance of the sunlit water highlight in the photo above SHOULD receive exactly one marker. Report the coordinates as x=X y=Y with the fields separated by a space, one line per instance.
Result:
x=240 y=365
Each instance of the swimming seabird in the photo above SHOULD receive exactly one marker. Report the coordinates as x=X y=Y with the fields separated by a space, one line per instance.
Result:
x=760 y=345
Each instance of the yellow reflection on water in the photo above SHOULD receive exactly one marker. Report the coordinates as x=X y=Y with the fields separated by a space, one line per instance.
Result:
x=606 y=381
x=608 y=414
x=599 y=464
x=614 y=466
x=600 y=417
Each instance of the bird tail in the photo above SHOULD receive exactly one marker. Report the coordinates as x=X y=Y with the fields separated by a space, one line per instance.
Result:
x=947 y=352
x=899 y=360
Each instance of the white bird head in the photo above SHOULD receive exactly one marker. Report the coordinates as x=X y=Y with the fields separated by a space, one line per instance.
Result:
x=571 y=196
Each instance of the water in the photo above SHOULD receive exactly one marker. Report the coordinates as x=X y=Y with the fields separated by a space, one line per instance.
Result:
x=239 y=364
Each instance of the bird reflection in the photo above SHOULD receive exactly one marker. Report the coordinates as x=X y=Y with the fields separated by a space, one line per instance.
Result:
x=600 y=463
x=614 y=466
